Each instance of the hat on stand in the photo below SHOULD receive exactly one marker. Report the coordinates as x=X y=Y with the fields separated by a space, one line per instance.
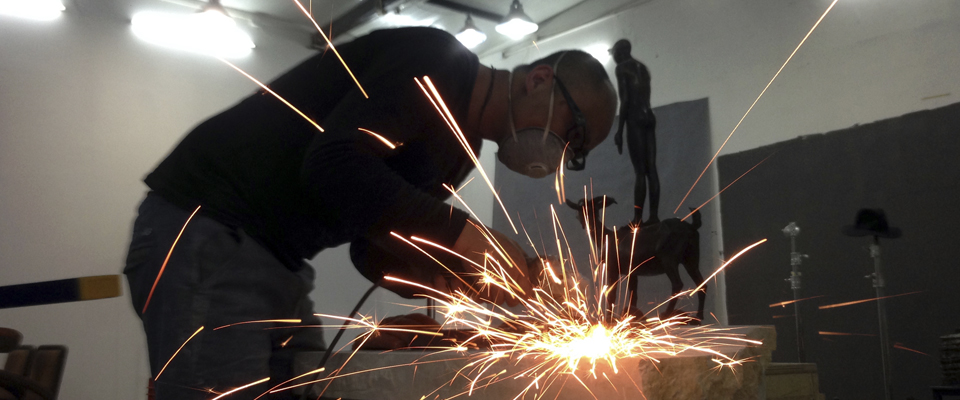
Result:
x=871 y=222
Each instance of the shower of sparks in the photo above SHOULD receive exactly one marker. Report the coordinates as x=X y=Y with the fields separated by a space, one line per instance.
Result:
x=824 y=15
x=165 y=260
x=850 y=303
x=264 y=321
x=434 y=96
x=332 y=47
x=391 y=145
x=234 y=390
x=564 y=329
x=788 y=302
x=268 y=90
x=175 y=353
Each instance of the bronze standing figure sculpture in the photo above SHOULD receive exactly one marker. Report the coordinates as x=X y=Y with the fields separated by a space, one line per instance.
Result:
x=633 y=82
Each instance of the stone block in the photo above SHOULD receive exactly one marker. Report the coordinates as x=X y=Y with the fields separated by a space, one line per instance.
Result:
x=415 y=375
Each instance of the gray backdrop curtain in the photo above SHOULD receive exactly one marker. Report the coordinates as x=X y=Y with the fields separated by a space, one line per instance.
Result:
x=910 y=167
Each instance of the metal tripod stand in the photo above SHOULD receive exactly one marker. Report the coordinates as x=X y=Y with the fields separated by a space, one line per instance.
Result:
x=879 y=284
x=792 y=231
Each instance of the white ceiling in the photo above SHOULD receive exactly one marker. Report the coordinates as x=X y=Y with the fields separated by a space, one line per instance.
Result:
x=563 y=14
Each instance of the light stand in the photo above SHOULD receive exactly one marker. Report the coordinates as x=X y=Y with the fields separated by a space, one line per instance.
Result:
x=792 y=231
x=878 y=284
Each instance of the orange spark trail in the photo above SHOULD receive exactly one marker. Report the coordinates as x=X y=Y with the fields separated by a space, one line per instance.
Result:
x=434 y=96
x=175 y=353
x=727 y=187
x=273 y=93
x=458 y=191
x=330 y=378
x=755 y=102
x=229 y=392
x=558 y=184
x=329 y=43
x=902 y=347
x=692 y=292
x=784 y=303
x=289 y=321
x=165 y=260
x=850 y=303
x=398 y=236
x=380 y=138
x=318 y=370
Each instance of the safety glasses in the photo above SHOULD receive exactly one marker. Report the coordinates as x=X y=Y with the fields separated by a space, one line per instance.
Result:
x=577 y=135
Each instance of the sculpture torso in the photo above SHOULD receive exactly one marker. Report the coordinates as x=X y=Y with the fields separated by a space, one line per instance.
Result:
x=633 y=80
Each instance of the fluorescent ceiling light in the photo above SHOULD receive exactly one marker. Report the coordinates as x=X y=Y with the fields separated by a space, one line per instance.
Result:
x=402 y=20
x=517 y=24
x=470 y=36
x=599 y=51
x=208 y=32
x=40 y=10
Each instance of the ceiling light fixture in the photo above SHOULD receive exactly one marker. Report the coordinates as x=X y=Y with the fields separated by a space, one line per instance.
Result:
x=39 y=10
x=517 y=24
x=470 y=36
x=210 y=31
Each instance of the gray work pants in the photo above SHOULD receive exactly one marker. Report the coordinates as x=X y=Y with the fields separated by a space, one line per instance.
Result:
x=216 y=275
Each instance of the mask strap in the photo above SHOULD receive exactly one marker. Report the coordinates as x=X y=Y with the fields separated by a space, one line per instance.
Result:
x=513 y=129
x=553 y=91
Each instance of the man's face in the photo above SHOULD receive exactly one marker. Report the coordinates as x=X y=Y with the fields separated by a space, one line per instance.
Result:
x=597 y=108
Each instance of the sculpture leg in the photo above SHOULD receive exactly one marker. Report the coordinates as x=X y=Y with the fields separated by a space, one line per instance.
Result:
x=691 y=263
x=613 y=275
x=650 y=161
x=636 y=145
x=633 y=287
x=671 y=265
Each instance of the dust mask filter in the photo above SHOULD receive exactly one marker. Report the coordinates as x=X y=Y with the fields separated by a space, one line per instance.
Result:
x=533 y=152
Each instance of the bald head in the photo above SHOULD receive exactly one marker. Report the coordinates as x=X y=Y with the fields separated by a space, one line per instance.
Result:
x=590 y=87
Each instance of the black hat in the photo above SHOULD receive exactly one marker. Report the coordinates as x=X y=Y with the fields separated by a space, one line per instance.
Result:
x=871 y=222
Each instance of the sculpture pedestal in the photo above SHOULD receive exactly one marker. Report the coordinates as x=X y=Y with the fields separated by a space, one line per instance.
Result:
x=690 y=375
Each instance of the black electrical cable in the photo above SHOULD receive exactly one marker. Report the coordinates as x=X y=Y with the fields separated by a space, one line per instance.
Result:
x=333 y=344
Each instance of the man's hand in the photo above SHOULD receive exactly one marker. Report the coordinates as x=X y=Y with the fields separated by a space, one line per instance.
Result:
x=618 y=140
x=397 y=332
x=473 y=245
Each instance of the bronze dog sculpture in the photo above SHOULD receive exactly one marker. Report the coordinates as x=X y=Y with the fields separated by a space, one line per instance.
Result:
x=658 y=249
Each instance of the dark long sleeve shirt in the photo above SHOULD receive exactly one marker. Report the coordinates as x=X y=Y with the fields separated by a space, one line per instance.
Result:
x=261 y=167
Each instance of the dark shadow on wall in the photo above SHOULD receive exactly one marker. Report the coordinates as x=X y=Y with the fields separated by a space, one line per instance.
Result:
x=910 y=167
